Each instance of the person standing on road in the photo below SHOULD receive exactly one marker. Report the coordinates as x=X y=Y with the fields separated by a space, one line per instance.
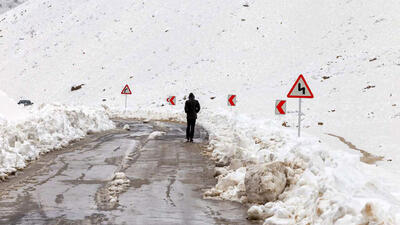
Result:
x=192 y=107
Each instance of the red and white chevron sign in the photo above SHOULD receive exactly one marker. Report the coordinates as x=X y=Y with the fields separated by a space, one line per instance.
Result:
x=280 y=107
x=231 y=100
x=171 y=100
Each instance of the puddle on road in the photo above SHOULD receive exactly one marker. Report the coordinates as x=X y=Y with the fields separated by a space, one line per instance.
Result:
x=366 y=158
x=137 y=183
x=59 y=198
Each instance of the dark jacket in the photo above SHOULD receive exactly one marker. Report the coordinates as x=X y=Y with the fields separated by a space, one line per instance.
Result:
x=192 y=107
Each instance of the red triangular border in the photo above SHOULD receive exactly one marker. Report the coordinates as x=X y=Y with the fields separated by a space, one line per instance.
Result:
x=289 y=95
x=130 y=92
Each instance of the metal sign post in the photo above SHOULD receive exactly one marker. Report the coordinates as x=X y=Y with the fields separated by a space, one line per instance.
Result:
x=126 y=91
x=300 y=90
x=299 y=117
x=126 y=101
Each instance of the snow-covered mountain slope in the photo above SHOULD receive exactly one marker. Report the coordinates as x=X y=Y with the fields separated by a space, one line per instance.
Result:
x=348 y=51
x=6 y=5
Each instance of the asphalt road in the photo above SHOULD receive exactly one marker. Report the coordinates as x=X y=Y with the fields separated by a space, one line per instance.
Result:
x=166 y=176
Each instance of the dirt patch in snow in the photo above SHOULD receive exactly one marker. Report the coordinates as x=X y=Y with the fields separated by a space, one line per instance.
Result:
x=76 y=87
x=366 y=158
x=371 y=214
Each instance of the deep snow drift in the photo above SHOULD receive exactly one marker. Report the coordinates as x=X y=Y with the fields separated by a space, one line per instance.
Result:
x=347 y=50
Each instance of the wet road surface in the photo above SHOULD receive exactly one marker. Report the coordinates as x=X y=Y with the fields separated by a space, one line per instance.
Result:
x=166 y=178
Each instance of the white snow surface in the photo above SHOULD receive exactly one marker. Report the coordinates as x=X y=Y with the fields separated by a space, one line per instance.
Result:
x=9 y=110
x=348 y=51
x=6 y=5
x=46 y=128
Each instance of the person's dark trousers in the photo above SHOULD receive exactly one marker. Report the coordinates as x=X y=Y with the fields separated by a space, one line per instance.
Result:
x=190 y=128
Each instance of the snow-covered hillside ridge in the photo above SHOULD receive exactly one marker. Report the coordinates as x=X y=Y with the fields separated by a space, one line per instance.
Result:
x=6 y=5
x=45 y=128
x=320 y=185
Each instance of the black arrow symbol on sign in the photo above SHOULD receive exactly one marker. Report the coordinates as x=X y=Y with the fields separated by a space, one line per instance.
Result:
x=301 y=88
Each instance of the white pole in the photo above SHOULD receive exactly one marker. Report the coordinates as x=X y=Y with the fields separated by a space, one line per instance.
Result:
x=299 y=116
x=126 y=101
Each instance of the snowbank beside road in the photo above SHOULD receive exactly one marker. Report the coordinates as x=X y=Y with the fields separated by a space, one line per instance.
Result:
x=47 y=127
x=322 y=186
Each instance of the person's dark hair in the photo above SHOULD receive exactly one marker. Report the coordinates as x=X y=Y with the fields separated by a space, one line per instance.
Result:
x=191 y=96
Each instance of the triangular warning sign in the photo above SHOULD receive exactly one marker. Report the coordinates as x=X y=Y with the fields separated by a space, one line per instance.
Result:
x=300 y=89
x=126 y=90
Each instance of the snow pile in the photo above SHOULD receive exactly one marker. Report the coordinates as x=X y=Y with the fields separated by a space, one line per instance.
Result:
x=230 y=185
x=297 y=181
x=47 y=127
x=119 y=183
x=156 y=134
x=126 y=127
x=107 y=196
x=288 y=180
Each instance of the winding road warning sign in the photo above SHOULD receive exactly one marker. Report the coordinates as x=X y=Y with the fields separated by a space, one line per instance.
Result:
x=300 y=89
x=126 y=90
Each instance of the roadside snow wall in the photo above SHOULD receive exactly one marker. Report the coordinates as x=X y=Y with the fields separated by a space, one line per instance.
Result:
x=47 y=127
x=297 y=180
